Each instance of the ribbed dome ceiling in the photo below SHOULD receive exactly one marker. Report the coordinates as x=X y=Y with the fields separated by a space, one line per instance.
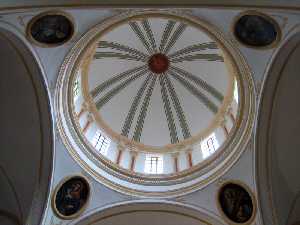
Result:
x=158 y=102
x=158 y=81
x=155 y=96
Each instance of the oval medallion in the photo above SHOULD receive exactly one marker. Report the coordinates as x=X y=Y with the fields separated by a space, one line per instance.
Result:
x=236 y=203
x=51 y=29
x=255 y=30
x=71 y=197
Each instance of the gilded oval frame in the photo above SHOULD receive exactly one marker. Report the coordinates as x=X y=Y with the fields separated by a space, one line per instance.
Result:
x=56 y=189
x=272 y=45
x=248 y=190
x=49 y=13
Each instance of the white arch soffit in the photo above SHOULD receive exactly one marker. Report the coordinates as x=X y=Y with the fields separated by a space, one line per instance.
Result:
x=265 y=106
x=41 y=196
x=148 y=205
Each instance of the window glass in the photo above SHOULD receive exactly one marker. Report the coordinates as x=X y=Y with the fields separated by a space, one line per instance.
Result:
x=209 y=145
x=236 y=92
x=100 y=142
x=154 y=164
x=76 y=89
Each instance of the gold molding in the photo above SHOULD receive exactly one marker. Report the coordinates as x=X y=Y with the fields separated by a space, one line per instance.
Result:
x=47 y=13
x=56 y=189
x=250 y=192
x=269 y=18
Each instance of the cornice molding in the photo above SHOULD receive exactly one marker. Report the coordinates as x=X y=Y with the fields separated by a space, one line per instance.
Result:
x=18 y=4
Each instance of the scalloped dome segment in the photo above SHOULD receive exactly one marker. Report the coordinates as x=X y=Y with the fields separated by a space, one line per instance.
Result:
x=156 y=102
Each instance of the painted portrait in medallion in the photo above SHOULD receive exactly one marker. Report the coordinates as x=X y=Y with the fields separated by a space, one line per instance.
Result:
x=256 y=30
x=71 y=197
x=236 y=203
x=51 y=29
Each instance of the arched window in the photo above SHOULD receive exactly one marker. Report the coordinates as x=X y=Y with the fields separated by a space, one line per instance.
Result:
x=154 y=164
x=100 y=142
x=76 y=89
x=209 y=145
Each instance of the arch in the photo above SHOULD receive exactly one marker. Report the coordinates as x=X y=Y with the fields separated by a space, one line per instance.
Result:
x=149 y=212
x=26 y=133
x=276 y=145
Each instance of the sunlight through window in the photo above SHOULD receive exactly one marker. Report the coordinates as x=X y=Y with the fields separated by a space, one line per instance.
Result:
x=236 y=92
x=76 y=89
x=154 y=164
x=209 y=146
x=100 y=142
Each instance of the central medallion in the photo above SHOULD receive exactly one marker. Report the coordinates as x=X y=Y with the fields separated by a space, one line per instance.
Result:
x=158 y=63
